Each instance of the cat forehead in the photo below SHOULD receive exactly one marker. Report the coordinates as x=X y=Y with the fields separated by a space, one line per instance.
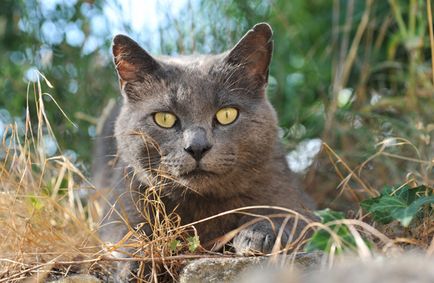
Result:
x=194 y=92
x=187 y=78
x=194 y=83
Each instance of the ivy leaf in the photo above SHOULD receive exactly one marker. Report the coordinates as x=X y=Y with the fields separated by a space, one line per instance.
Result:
x=402 y=204
x=382 y=207
x=322 y=240
x=407 y=214
x=328 y=215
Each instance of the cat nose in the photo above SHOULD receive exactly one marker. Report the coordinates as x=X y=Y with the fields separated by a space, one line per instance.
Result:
x=196 y=142
x=198 y=150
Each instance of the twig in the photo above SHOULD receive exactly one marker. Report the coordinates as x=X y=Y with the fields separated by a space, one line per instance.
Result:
x=431 y=36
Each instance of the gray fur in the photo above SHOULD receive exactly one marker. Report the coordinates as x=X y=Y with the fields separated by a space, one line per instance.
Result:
x=244 y=163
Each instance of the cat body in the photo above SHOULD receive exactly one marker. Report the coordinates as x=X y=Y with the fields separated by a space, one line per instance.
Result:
x=201 y=128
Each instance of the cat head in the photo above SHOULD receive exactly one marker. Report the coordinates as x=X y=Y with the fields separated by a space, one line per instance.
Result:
x=202 y=121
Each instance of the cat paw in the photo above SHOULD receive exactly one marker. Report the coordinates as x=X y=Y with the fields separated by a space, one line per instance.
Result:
x=125 y=272
x=256 y=239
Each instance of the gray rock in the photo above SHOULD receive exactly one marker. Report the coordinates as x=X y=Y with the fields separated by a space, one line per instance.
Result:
x=229 y=269
x=401 y=268
x=82 y=278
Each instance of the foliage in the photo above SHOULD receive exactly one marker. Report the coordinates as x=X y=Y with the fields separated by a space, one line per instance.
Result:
x=337 y=237
x=193 y=243
x=402 y=203
x=57 y=38
x=41 y=211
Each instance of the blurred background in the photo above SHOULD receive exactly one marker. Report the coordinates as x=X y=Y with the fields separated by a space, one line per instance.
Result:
x=356 y=75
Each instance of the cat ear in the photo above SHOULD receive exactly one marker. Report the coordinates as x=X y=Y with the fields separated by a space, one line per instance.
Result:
x=132 y=62
x=253 y=52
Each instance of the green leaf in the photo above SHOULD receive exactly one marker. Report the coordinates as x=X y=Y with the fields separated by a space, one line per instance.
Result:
x=36 y=203
x=382 y=209
x=322 y=239
x=193 y=243
x=406 y=215
x=328 y=215
x=402 y=204
x=173 y=245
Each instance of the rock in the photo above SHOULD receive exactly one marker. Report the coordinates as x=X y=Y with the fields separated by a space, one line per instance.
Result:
x=82 y=278
x=402 y=268
x=229 y=269
x=300 y=268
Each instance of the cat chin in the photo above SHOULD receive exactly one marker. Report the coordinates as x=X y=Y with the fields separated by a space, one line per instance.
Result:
x=197 y=174
x=196 y=178
x=198 y=181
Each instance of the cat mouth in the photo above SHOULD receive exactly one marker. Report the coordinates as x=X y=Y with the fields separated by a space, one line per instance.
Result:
x=197 y=173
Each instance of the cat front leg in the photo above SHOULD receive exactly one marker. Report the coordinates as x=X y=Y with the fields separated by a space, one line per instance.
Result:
x=125 y=269
x=119 y=232
x=262 y=236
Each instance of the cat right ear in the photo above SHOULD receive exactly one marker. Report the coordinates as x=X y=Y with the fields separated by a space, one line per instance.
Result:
x=253 y=52
x=132 y=62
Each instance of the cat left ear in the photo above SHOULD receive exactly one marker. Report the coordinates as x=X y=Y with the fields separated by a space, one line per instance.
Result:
x=132 y=62
x=253 y=52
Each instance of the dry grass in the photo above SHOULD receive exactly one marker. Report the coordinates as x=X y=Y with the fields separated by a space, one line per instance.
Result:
x=49 y=231
x=43 y=221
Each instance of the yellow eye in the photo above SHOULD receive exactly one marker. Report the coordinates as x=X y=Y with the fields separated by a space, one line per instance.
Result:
x=165 y=119
x=226 y=116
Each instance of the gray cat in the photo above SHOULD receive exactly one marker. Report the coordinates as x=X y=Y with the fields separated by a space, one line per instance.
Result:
x=203 y=126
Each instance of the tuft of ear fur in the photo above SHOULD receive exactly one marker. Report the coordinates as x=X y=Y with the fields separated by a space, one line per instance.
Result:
x=253 y=52
x=132 y=62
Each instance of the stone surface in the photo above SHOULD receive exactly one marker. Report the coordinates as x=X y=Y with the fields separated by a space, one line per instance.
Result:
x=222 y=269
x=229 y=269
x=302 y=268
x=400 y=268
x=82 y=278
